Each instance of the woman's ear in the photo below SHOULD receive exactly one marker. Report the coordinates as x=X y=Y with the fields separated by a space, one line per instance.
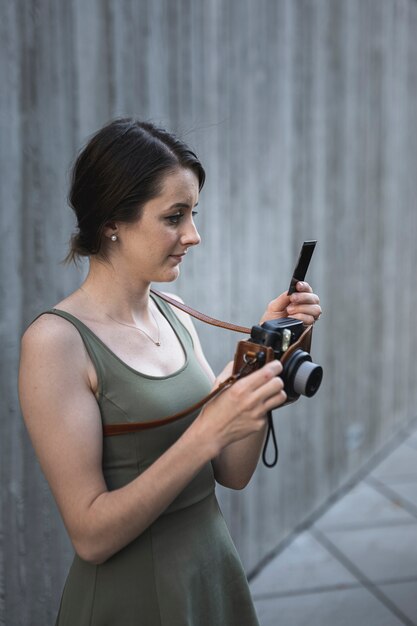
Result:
x=110 y=229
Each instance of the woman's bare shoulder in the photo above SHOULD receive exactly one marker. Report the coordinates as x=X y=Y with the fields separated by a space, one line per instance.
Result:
x=49 y=328
x=53 y=356
x=49 y=337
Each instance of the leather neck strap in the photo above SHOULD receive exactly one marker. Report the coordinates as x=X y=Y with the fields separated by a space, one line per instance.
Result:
x=132 y=427
x=201 y=316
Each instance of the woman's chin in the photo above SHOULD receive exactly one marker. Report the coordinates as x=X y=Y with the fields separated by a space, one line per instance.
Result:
x=168 y=276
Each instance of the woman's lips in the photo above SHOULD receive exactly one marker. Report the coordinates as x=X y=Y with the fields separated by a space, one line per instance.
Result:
x=177 y=257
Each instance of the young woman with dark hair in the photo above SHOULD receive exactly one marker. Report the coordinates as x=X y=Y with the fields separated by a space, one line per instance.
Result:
x=152 y=547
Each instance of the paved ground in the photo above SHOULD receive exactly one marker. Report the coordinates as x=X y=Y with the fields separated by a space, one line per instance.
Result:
x=357 y=564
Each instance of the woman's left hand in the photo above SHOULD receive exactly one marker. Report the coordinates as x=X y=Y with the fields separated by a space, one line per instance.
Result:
x=303 y=304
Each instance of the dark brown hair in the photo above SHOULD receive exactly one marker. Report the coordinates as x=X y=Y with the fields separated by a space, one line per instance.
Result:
x=120 y=169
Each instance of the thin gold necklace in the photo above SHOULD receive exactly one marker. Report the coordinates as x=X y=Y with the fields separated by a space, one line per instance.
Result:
x=156 y=343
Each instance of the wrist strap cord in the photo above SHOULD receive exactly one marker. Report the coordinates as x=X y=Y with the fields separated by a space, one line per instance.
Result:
x=270 y=435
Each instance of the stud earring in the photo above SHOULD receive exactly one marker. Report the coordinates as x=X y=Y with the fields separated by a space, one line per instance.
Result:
x=113 y=237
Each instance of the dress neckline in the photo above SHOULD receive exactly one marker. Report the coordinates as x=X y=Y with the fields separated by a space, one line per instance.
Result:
x=126 y=365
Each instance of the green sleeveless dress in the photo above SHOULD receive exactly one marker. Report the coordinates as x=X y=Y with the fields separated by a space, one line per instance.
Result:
x=184 y=569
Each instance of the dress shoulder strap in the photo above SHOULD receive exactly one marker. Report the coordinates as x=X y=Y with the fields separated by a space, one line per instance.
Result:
x=180 y=329
x=93 y=344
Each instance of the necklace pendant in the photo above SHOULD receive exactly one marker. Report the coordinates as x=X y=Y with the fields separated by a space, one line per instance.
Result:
x=157 y=343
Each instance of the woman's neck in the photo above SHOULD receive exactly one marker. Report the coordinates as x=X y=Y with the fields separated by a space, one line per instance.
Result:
x=116 y=293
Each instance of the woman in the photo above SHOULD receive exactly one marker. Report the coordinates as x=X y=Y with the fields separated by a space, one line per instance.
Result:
x=151 y=544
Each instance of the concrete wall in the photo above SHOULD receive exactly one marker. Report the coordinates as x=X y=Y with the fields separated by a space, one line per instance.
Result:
x=304 y=113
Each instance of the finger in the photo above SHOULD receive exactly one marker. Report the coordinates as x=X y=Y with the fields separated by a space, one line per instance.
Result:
x=275 y=401
x=312 y=310
x=279 y=303
x=261 y=376
x=307 y=320
x=303 y=286
x=304 y=298
x=269 y=390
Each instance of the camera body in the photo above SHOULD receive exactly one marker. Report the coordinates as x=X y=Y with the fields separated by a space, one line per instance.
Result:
x=289 y=341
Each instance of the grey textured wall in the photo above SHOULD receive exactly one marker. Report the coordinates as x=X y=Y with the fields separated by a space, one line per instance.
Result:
x=304 y=113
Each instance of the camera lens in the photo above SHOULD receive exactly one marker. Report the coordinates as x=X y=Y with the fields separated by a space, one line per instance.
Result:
x=307 y=379
x=301 y=376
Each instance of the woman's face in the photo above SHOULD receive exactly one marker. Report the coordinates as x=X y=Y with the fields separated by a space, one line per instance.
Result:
x=152 y=248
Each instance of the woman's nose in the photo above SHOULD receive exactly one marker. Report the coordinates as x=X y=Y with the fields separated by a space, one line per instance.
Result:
x=190 y=236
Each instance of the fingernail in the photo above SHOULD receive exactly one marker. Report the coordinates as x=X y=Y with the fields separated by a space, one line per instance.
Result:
x=275 y=366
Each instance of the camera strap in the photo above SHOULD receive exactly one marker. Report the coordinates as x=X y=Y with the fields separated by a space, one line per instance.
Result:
x=132 y=427
x=201 y=316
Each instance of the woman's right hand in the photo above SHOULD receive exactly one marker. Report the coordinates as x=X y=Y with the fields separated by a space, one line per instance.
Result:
x=241 y=410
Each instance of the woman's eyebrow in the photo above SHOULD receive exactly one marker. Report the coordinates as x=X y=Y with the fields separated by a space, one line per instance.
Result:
x=181 y=205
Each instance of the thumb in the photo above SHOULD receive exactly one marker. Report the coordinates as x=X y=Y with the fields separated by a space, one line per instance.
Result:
x=224 y=375
x=277 y=308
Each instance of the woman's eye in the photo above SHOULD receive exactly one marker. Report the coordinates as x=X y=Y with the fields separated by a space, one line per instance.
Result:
x=175 y=219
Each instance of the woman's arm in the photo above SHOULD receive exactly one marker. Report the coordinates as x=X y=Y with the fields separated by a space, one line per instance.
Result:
x=235 y=464
x=63 y=420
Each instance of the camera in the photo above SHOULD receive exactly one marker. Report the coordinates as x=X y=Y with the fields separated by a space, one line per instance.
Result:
x=288 y=340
